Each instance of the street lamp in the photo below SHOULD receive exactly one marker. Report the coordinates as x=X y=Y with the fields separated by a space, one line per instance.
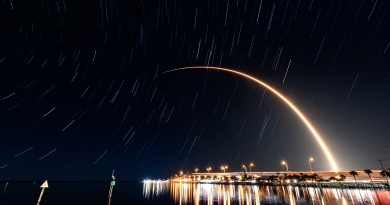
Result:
x=243 y=166
x=224 y=168
x=250 y=166
x=311 y=159
x=285 y=163
x=208 y=169
x=181 y=172
x=196 y=170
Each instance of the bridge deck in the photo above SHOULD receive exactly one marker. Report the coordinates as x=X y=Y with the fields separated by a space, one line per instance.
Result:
x=362 y=176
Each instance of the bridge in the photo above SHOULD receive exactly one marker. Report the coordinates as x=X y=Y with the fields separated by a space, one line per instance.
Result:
x=324 y=175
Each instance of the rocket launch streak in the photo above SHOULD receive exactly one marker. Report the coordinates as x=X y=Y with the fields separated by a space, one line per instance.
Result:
x=292 y=106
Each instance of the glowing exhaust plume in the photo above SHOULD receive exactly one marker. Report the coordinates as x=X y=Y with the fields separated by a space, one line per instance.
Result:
x=292 y=106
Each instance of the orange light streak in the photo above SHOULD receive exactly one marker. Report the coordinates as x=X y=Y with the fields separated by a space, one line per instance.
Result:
x=292 y=106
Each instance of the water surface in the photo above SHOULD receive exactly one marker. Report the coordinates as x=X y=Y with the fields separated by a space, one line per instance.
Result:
x=157 y=193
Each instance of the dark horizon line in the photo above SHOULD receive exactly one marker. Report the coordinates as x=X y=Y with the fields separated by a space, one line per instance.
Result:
x=68 y=181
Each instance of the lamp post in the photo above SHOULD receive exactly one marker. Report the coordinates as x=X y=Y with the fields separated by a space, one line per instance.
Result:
x=285 y=163
x=243 y=166
x=250 y=166
x=181 y=172
x=208 y=169
x=196 y=170
x=311 y=159
x=224 y=168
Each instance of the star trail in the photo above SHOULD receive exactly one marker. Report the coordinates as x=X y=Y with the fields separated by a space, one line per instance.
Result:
x=81 y=90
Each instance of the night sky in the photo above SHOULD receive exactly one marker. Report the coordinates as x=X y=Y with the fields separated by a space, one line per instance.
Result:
x=81 y=92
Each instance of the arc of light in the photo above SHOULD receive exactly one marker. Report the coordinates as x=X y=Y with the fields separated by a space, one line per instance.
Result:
x=292 y=106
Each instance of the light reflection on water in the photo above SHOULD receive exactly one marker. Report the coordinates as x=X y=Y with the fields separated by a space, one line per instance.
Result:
x=154 y=189
x=196 y=193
